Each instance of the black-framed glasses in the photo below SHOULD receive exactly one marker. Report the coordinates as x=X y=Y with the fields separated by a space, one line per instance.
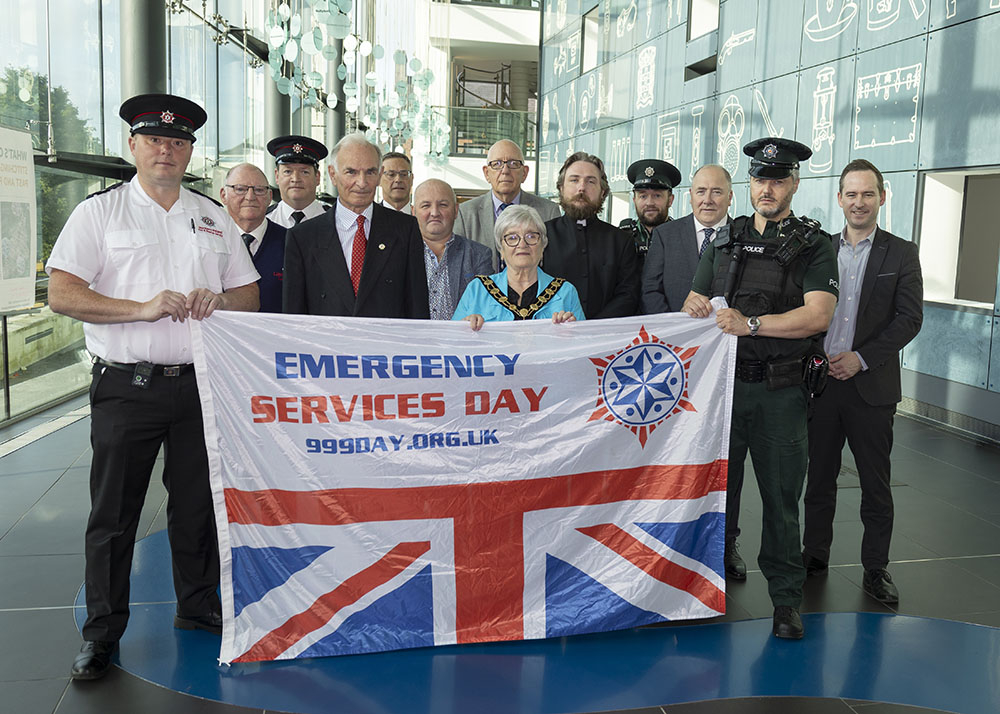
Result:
x=405 y=173
x=241 y=190
x=498 y=164
x=530 y=238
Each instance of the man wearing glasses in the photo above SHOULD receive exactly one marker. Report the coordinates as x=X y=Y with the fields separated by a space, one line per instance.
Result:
x=246 y=195
x=397 y=182
x=505 y=171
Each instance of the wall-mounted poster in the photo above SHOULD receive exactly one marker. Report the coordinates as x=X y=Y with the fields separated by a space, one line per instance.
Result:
x=18 y=243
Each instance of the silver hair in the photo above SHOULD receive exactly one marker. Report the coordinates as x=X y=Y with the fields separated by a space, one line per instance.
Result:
x=516 y=217
x=356 y=138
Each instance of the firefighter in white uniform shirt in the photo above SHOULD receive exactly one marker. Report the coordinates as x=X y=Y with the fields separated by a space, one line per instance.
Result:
x=136 y=263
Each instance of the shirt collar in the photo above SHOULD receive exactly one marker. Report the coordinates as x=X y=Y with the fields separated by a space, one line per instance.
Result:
x=870 y=237
x=698 y=226
x=497 y=202
x=346 y=218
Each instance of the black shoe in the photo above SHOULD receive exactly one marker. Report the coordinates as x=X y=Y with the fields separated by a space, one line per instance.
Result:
x=814 y=566
x=212 y=622
x=787 y=623
x=878 y=583
x=94 y=660
x=736 y=569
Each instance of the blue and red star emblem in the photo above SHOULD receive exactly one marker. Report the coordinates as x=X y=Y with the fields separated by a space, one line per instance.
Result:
x=642 y=384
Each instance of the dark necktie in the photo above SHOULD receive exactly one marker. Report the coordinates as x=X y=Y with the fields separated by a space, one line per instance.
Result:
x=503 y=206
x=358 y=254
x=248 y=239
x=297 y=216
x=706 y=240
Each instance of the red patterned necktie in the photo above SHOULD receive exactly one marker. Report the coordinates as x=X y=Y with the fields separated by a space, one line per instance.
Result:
x=358 y=254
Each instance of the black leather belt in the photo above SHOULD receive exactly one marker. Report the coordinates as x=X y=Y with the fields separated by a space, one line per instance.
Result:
x=749 y=370
x=159 y=370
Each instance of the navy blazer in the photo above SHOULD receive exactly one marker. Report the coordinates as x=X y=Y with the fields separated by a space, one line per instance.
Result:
x=269 y=261
x=317 y=279
x=890 y=312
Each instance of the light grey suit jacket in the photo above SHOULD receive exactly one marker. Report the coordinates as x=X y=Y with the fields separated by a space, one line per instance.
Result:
x=670 y=266
x=475 y=217
x=466 y=260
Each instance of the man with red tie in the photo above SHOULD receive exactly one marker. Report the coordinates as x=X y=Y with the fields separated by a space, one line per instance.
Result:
x=359 y=259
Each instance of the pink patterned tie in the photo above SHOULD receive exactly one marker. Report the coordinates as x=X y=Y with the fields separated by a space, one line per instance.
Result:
x=358 y=254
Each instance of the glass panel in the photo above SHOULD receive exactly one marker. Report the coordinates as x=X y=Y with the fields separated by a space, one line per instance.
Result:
x=234 y=103
x=113 y=125
x=193 y=75
x=474 y=131
x=76 y=77
x=22 y=67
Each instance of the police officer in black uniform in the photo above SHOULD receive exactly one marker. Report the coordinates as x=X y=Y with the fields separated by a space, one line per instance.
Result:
x=778 y=274
x=653 y=183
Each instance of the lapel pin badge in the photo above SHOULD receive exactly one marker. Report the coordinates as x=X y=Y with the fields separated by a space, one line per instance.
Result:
x=381 y=246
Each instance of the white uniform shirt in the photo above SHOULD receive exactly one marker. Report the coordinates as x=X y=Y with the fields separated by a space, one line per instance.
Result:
x=126 y=246
x=282 y=213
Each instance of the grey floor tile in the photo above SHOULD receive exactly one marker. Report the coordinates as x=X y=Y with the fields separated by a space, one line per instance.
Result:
x=32 y=697
x=32 y=581
x=119 y=692
x=50 y=638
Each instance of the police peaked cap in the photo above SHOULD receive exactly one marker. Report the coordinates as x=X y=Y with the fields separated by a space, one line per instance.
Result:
x=775 y=158
x=163 y=115
x=296 y=149
x=653 y=173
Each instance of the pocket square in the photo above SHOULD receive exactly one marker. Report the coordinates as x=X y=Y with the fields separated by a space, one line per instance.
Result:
x=884 y=275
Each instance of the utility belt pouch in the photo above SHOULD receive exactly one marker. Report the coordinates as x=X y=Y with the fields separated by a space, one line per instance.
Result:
x=784 y=373
x=815 y=370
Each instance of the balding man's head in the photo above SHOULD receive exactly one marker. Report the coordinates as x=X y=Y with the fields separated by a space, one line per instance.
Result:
x=436 y=208
x=246 y=196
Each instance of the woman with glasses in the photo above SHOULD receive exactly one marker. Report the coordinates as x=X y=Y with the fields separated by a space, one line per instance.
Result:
x=522 y=291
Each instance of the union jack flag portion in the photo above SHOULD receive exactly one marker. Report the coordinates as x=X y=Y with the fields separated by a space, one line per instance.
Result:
x=470 y=499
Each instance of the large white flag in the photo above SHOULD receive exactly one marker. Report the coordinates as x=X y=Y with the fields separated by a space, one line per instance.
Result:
x=383 y=484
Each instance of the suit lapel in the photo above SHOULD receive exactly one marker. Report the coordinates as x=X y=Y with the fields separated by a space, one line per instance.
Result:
x=876 y=257
x=486 y=214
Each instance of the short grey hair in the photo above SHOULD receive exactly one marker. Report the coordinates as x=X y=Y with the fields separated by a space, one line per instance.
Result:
x=516 y=216
x=356 y=138
x=245 y=166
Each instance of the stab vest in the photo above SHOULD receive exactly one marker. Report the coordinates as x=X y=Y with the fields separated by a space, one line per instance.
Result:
x=763 y=287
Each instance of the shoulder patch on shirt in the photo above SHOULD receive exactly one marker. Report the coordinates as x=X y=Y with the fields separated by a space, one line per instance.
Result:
x=194 y=190
x=112 y=187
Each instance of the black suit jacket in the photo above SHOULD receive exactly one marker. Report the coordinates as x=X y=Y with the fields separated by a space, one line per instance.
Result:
x=670 y=265
x=317 y=279
x=599 y=260
x=890 y=311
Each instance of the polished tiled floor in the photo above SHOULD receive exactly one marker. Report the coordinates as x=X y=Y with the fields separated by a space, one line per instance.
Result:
x=946 y=554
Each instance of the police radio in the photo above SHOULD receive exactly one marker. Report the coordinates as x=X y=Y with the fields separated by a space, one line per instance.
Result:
x=631 y=226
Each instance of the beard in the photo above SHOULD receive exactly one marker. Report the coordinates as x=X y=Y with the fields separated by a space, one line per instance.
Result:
x=580 y=207
x=653 y=221
x=774 y=210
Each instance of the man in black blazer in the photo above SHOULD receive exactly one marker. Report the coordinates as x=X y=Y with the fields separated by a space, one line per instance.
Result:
x=358 y=259
x=598 y=259
x=676 y=246
x=879 y=312
x=246 y=195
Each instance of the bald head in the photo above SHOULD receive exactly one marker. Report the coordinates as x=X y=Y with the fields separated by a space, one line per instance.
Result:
x=249 y=207
x=436 y=208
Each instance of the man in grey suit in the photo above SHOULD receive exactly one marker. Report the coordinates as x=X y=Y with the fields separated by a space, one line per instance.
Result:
x=675 y=246
x=674 y=250
x=505 y=171
x=451 y=260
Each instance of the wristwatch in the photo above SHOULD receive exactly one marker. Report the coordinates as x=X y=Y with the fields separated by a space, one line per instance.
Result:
x=754 y=324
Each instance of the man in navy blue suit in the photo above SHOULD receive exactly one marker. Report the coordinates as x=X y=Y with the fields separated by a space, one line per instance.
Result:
x=246 y=195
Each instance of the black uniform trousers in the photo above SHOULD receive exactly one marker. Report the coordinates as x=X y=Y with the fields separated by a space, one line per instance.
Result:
x=841 y=413
x=771 y=425
x=128 y=426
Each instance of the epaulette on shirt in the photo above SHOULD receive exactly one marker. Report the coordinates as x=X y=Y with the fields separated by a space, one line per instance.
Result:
x=112 y=187
x=217 y=203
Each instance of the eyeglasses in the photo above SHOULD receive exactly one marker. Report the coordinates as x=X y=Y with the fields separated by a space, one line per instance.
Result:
x=241 y=190
x=498 y=164
x=405 y=173
x=512 y=239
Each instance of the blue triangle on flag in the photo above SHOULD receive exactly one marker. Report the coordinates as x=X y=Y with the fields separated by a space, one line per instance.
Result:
x=258 y=570
x=702 y=539
x=400 y=619
x=576 y=603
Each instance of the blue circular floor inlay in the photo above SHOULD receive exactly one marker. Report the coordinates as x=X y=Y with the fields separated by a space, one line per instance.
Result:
x=915 y=661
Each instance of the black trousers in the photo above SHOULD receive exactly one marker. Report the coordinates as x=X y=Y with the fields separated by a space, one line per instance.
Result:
x=128 y=426
x=840 y=413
